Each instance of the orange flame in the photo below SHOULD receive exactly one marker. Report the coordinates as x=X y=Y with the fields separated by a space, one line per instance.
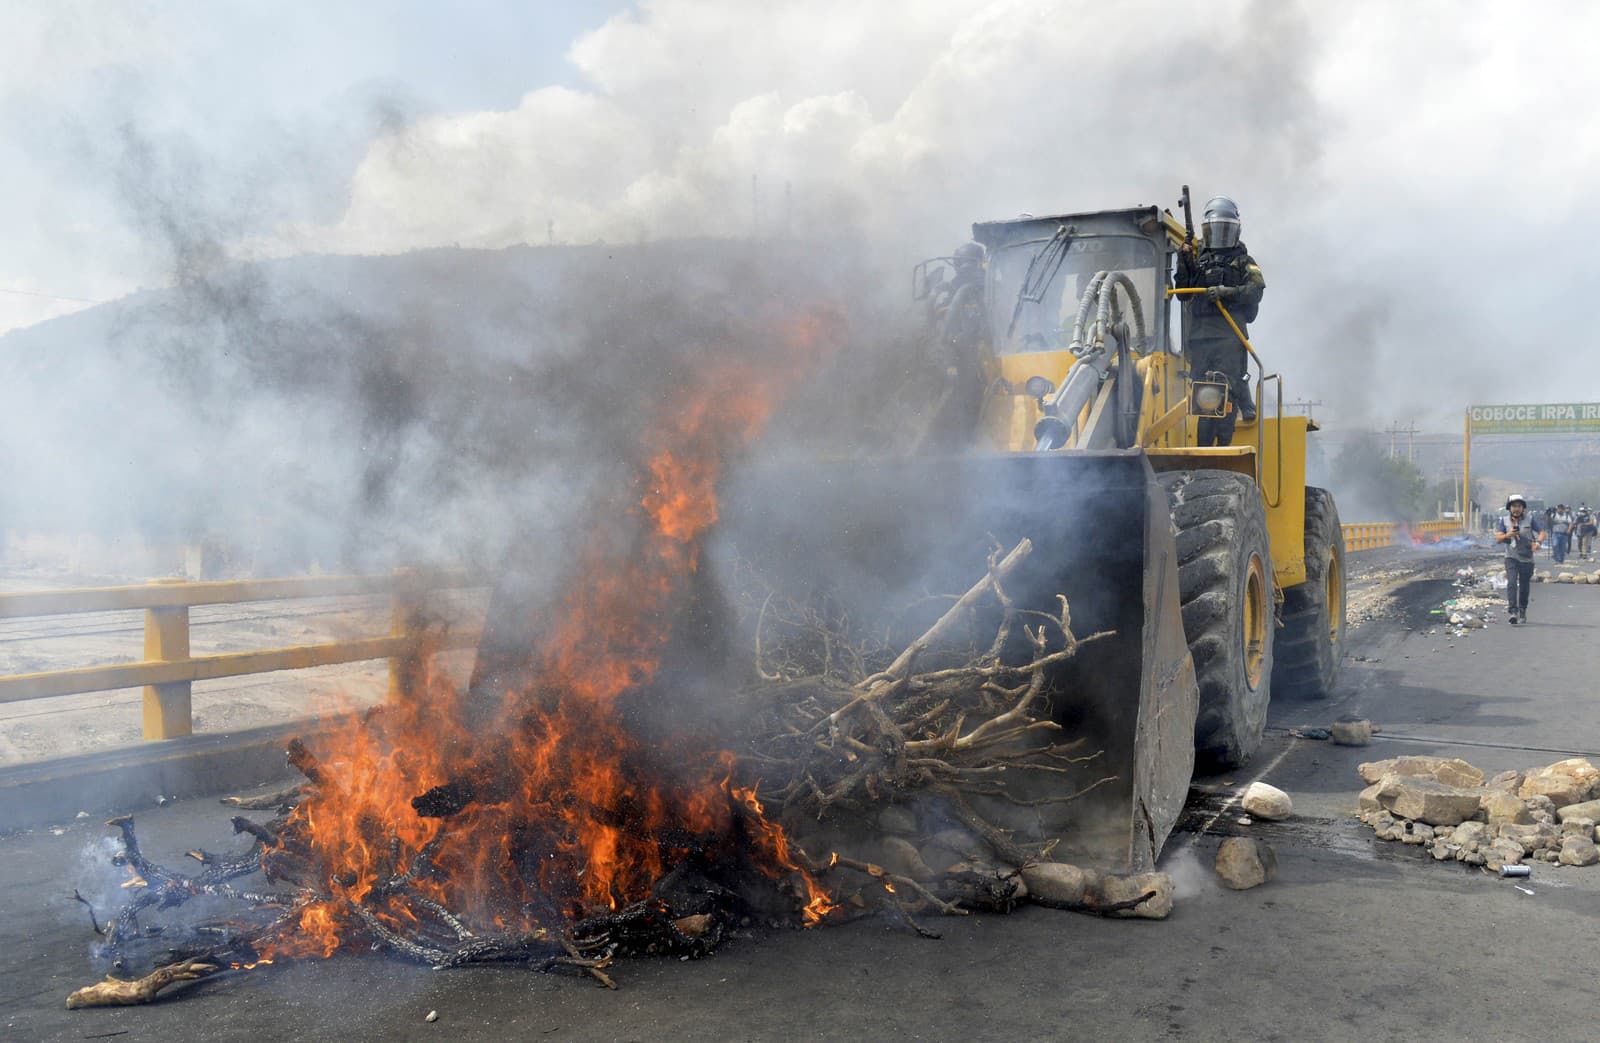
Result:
x=575 y=827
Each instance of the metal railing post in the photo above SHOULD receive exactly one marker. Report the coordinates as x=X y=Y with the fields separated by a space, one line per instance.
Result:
x=167 y=707
x=405 y=608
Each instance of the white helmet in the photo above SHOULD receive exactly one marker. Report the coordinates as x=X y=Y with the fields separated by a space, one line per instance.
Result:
x=1516 y=498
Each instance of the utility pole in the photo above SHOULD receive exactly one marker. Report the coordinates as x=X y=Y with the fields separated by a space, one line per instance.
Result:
x=1410 y=431
x=1305 y=406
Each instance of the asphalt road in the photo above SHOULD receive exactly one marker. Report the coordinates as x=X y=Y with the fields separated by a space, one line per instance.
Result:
x=1356 y=939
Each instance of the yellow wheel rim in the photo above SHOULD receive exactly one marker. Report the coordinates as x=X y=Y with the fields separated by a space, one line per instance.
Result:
x=1333 y=577
x=1255 y=620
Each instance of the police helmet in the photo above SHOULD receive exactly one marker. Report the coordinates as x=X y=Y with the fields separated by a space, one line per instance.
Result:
x=967 y=255
x=1516 y=498
x=1220 y=225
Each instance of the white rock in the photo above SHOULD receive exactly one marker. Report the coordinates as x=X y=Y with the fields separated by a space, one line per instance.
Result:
x=1268 y=802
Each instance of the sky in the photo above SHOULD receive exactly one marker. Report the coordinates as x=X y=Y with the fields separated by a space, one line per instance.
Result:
x=1413 y=176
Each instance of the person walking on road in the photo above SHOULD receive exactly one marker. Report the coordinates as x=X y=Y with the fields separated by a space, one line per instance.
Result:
x=1585 y=529
x=1561 y=524
x=1521 y=532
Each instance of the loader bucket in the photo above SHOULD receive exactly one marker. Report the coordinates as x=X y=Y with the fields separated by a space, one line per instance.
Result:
x=890 y=541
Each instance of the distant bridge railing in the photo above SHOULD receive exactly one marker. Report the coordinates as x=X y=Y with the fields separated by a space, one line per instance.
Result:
x=168 y=670
x=1372 y=535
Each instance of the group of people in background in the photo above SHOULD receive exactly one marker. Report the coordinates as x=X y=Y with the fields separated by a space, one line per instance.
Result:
x=1567 y=526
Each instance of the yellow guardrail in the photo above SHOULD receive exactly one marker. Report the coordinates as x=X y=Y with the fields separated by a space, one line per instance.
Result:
x=1369 y=536
x=1372 y=535
x=168 y=670
x=1437 y=530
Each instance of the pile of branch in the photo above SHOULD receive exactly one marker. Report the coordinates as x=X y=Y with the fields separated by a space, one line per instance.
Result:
x=687 y=914
x=844 y=741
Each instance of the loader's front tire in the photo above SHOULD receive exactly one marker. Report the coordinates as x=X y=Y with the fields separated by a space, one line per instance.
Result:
x=1225 y=587
x=1310 y=646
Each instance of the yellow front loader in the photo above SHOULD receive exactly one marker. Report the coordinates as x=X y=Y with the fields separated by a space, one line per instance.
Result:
x=1068 y=417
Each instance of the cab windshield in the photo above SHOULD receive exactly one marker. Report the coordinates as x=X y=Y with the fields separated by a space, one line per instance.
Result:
x=1036 y=286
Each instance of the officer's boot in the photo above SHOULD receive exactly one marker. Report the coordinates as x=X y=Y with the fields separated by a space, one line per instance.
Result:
x=1247 y=408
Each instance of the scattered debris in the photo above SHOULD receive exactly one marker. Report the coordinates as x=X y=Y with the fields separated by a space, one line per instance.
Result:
x=433 y=1016
x=1308 y=732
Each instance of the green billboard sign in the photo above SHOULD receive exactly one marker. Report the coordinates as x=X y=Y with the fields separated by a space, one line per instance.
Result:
x=1549 y=418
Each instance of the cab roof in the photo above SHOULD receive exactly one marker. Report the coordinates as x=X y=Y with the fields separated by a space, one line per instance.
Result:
x=1028 y=226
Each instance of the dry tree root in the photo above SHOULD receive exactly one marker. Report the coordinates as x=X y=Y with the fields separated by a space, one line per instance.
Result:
x=114 y=992
x=850 y=742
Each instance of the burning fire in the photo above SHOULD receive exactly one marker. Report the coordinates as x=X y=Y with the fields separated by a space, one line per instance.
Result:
x=567 y=815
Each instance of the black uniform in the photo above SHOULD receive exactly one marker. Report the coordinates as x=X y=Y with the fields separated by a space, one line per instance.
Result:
x=1212 y=344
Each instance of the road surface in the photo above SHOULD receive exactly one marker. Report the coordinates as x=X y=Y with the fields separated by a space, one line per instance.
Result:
x=1356 y=939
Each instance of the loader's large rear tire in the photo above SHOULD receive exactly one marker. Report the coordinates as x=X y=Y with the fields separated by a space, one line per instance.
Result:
x=1310 y=646
x=1225 y=586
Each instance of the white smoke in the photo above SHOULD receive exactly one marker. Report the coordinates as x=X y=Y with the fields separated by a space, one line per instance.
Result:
x=1413 y=177
x=869 y=118
x=1369 y=187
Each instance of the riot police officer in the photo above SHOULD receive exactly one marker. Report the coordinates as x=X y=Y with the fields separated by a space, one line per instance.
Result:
x=1229 y=274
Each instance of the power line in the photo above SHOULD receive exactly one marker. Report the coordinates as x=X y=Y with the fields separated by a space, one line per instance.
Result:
x=49 y=296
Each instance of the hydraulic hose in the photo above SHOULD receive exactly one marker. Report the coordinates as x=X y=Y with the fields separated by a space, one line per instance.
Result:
x=1093 y=363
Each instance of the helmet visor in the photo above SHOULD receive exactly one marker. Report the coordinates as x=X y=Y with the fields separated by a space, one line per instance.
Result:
x=1220 y=232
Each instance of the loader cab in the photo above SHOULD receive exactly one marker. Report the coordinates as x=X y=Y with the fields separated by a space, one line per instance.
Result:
x=1038 y=271
x=1039 y=268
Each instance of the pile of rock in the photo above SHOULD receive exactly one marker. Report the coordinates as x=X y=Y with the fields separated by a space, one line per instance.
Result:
x=1551 y=576
x=1446 y=805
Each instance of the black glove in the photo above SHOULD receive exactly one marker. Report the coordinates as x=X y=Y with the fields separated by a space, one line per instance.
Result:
x=1222 y=293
